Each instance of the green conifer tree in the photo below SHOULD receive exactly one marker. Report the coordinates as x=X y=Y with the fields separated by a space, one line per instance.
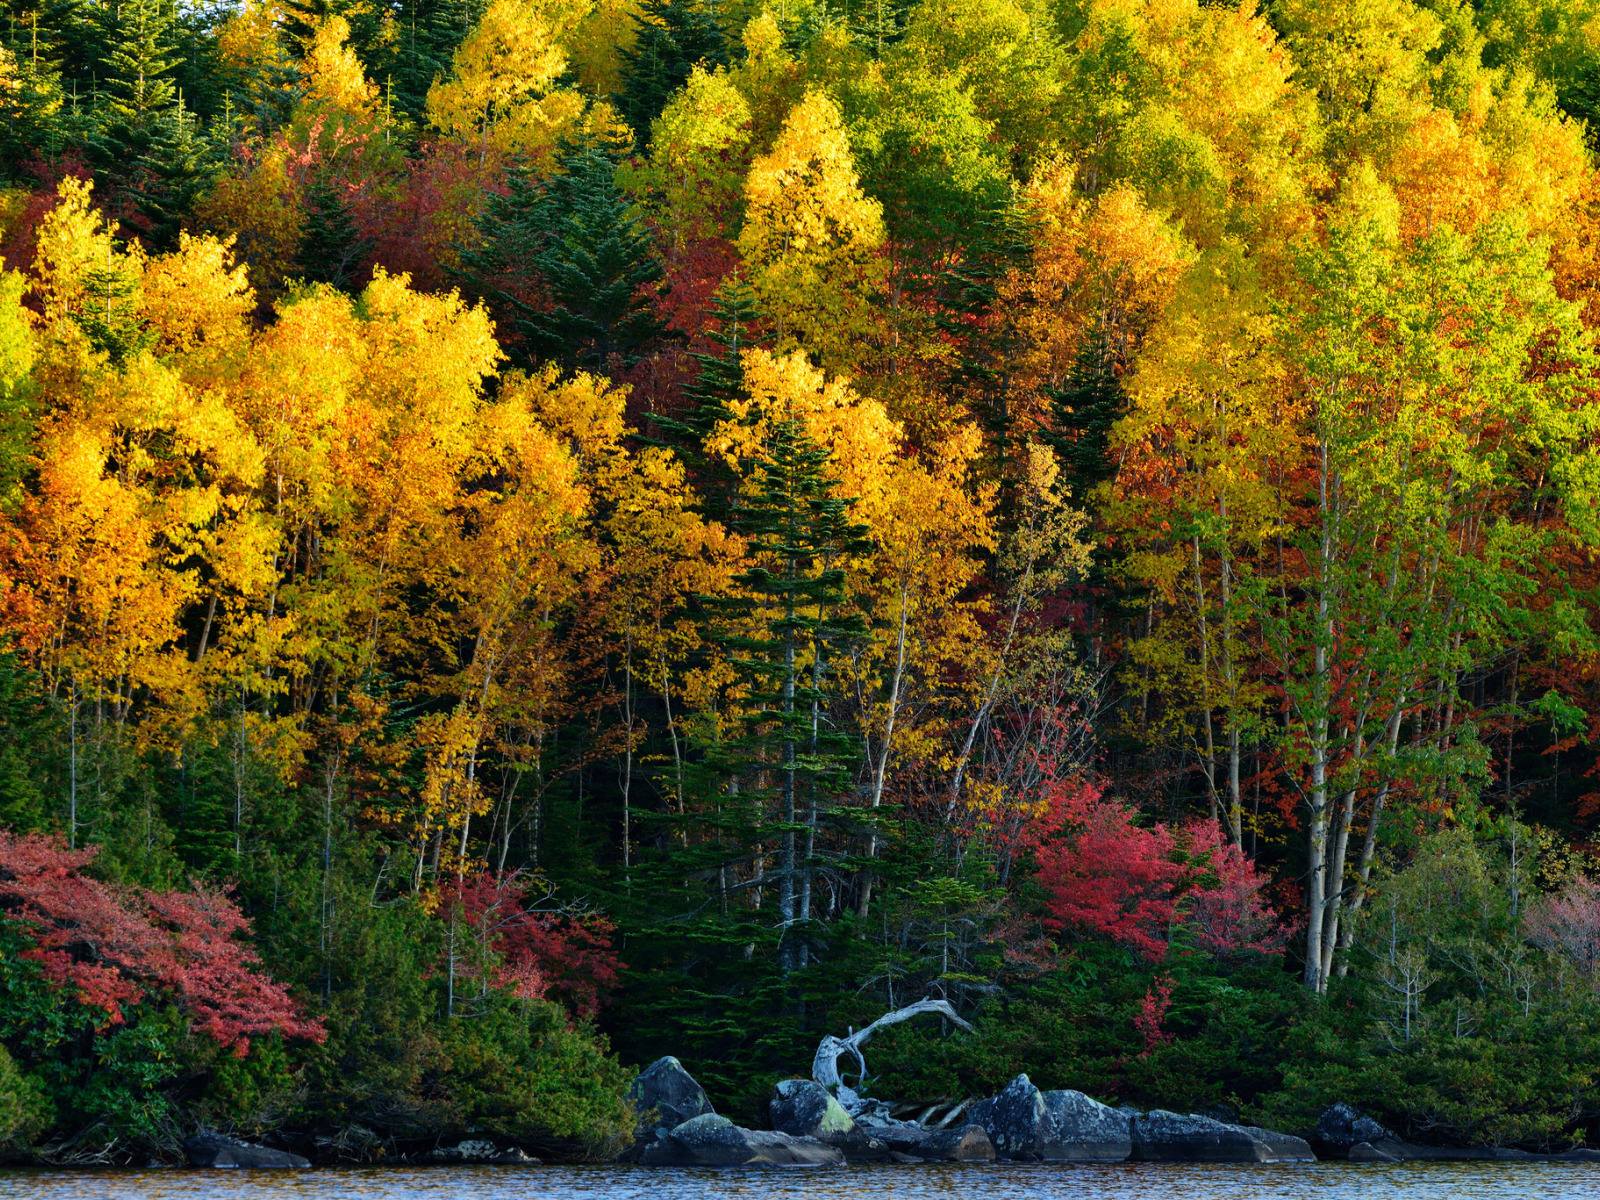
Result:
x=673 y=36
x=593 y=261
x=735 y=315
x=427 y=35
x=136 y=91
x=1084 y=409
x=179 y=167
x=331 y=247
x=780 y=635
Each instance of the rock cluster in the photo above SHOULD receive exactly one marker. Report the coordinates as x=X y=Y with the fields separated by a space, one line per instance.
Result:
x=810 y=1127
x=218 y=1150
x=475 y=1151
x=1067 y=1126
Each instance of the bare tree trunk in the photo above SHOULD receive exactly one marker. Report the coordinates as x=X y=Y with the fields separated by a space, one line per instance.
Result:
x=825 y=1065
x=881 y=767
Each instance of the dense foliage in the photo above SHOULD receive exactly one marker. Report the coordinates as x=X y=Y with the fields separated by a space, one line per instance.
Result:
x=536 y=534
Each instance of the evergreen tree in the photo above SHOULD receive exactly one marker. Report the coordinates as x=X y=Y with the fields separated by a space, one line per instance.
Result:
x=427 y=34
x=1085 y=408
x=593 y=261
x=780 y=635
x=136 y=91
x=720 y=380
x=109 y=318
x=301 y=18
x=331 y=247
x=62 y=40
x=371 y=29
x=508 y=238
x=674 y=36
x=31 y=109
x=180 y=166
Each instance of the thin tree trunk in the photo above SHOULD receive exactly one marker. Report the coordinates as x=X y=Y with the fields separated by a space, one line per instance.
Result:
x=881 y=767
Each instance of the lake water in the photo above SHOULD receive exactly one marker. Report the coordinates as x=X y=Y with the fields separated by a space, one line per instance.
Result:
x=1011 y=1181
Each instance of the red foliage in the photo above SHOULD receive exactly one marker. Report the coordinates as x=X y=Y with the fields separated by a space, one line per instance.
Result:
x=113 y=946
x=1569 y=922
x=1226 y=909
x=1108 y=876
x=537 y=950
x=1152 y=1010
x=415 y=224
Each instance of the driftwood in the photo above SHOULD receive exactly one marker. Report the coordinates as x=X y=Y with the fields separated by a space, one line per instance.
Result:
x=825 y=1066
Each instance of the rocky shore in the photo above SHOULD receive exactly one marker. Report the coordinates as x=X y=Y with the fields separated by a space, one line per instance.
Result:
x=678 y=1126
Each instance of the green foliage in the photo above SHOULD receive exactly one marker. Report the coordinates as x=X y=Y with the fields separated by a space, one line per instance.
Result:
x=26 y=724
x=332 y=249
x=518 y=1070
x=674 y=36
x=181 y=164
x=24 y=1108
x=590 y=256
x=136 y=81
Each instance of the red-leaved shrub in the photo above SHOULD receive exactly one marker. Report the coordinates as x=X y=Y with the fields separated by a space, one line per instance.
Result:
x=113 y=946
x=1106 y=875
x=535 y=952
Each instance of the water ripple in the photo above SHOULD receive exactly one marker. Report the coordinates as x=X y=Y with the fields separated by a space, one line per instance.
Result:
x=1010 y=1181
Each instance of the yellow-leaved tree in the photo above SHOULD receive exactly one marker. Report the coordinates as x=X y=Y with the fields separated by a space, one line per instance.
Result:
x=811 y=238
x=503 y=95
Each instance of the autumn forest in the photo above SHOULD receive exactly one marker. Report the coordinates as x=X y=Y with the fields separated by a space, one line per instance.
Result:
x=539 y=534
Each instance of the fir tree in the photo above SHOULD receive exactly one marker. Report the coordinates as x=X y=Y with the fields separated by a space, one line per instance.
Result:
x=720 y=380
x=427 y=34
x=674 y=36
x=508 y=238
x=593 y=261
x=31 y=108
x=1085 y=408
x=791 y=615
x=136 y=91
x=301 y=18
x=180 y=166
x=331 y=247
x=109 y=317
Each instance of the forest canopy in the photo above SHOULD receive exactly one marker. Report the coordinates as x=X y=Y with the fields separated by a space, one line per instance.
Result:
x=539 y=534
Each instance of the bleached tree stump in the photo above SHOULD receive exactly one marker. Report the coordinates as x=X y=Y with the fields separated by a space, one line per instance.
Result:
x=825 y=1066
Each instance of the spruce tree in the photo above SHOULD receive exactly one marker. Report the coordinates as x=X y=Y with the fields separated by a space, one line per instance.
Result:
x=31 y=105
x=736 y=316
x=780 y=635
x=427 y=35
x=331 y=247
x=673 y=36
x=109 y=317
x=136 y=91
x=1085 y=408
x=179 y=166
x=593 y=261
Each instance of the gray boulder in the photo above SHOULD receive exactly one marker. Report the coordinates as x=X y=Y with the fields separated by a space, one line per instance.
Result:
x=668 y=1094
x=1017 y=1121
x=216 y=1150
x=1281 y=1147
x=804 y=1108
x=908 y=1142
x=1084 y=1130
x=713 y=1141
x=1342 y=1126
x=664 y=1096
x=1162 y=1136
